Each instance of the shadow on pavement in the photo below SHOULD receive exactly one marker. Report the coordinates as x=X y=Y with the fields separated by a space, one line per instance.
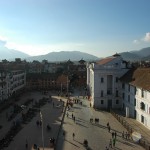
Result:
x=72 y=143
x=81 y=125
x=127 y=143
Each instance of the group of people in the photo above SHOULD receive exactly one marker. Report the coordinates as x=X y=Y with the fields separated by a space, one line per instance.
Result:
x=112 y=141
x=126 y=135
x=39 y=123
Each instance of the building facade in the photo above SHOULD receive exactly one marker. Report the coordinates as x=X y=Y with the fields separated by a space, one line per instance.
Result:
x=11 y=82
x=136 y=95
x=103 y=82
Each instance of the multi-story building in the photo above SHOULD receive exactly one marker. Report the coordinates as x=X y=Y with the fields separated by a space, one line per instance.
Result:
x=103 y=82
x=11 y=82
x=136 y=95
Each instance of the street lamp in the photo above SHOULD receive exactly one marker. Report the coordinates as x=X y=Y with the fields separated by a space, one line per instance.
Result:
x=61 y=89
x=42 y=129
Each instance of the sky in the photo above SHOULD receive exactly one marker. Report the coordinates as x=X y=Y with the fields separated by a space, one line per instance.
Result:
x=98 y=27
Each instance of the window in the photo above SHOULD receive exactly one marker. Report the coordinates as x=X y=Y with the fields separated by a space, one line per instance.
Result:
x=116 y=79
x=135 y=90
x=134 y=102
x=123 y=86
x=102 y=101
x=129 y=88
x=102 y=80
x=116 y=93
x=102 y=94
x=142 y=106
x=129 y=98
x=142 y=119
x=142 y=93
x=123 y=96
x=117 y=101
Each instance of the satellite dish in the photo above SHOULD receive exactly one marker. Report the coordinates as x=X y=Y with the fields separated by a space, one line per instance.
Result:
x=136 y=136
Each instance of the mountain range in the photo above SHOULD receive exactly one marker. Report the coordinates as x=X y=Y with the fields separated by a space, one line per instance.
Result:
x=63 y=56
x=10 y=54
x=137 y=55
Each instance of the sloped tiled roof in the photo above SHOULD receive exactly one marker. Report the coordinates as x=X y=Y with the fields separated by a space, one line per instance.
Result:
x=105 y=60
x=138 y=77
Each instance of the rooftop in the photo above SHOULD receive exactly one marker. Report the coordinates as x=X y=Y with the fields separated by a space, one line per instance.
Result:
x=139 y=77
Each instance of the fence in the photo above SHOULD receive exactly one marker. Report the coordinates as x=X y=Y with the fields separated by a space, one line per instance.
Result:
x=143 y=142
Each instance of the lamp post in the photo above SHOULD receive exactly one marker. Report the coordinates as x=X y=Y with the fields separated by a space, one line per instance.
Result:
x=61 y=88
x=42 y=129
x=67 y=86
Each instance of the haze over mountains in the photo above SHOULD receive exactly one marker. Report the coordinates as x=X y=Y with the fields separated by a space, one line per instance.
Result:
x=10 y=54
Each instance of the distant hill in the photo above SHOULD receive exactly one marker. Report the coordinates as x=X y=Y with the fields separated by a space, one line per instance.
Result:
x=63 y=56
x=143 y=54
x=147 y=58
x=128 y=56
x=10 y=54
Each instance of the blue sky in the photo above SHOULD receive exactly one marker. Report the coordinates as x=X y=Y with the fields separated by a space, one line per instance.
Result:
x=98 y=27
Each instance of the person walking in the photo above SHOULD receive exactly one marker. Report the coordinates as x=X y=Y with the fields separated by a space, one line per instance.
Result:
x=115 y=134
x=110 y=143
x=73 y=135
x=123 y=134
x=67 y=114
x=26 y=145
x=112 y=135
x=107 y=124
x=114 y=142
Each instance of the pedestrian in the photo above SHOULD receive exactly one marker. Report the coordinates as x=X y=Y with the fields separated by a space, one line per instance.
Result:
x=40 y=123
x=37 y=123
x=115 y=134
x=126 y=135
x=72 y=115
x=107 y=124
x=112 y=135
x=63 y=133
x=73 y=135
x=110 y=143
x=67 y=114
x=74 y=118
x=123 y=134
x=26 y=145
x=114 y=142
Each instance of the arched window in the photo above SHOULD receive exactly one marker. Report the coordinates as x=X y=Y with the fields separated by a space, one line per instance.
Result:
x=142 y=106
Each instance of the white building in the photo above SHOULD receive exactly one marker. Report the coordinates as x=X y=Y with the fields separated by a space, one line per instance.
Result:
x=11 y=82
x=103 y=82
x=136 y=95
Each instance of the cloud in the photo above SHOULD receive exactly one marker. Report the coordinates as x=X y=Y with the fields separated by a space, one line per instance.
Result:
x=147 y=37
x=2 y=41
x=136 y=41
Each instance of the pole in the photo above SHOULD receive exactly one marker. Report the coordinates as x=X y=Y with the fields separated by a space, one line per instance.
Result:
x=67 y=86
x=61 y=89
x=42 y=129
